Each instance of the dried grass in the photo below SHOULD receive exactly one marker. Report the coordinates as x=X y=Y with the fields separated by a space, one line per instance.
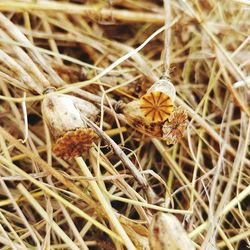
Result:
x=110 y=53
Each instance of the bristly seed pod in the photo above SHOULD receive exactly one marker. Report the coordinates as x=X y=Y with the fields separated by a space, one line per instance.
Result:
x=173 y=129
x=65 y=116
x=158 y=103
x=167 y=233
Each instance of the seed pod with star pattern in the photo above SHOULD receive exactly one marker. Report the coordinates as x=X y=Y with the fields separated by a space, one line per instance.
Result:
x=158 y=103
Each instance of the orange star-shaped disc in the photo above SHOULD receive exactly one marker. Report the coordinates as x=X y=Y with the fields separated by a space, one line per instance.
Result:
x=156 y=106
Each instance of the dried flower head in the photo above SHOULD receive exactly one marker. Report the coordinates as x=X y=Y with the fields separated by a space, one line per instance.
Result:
x=158 y=103
x=137 y=120
x=65 y=116
x=166 y=232
x=173 y=129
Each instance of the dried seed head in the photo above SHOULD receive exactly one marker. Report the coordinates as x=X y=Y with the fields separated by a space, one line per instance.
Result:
x=158 y=103
x=74 y=143
x=65 y=116
x=156 y=106
x=166 y=232
x=136 y=119
x=173 y=129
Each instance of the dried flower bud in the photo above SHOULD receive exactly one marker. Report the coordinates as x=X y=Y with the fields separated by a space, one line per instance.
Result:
x=173 y=129
x=167 y=233
x=158 y=103
x=65 y=116
x=136 y=119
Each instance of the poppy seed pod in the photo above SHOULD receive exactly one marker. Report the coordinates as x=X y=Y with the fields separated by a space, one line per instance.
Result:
x=65 y=117
x=137 y=120
x=158 y=103
x=166 y=232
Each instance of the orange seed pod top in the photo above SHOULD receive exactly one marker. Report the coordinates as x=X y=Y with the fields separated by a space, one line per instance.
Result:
x=158 y=103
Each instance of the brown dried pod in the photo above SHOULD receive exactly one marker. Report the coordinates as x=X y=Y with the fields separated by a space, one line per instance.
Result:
x=173 y=129
x=137 y=120
x=167 y=233
x=65 y=116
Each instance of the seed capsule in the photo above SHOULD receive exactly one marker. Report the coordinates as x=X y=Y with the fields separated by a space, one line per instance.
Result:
x=156 y=106
x=158 y=103
x=65 y=116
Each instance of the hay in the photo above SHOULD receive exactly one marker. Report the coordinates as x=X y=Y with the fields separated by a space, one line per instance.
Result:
x=110 y=53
